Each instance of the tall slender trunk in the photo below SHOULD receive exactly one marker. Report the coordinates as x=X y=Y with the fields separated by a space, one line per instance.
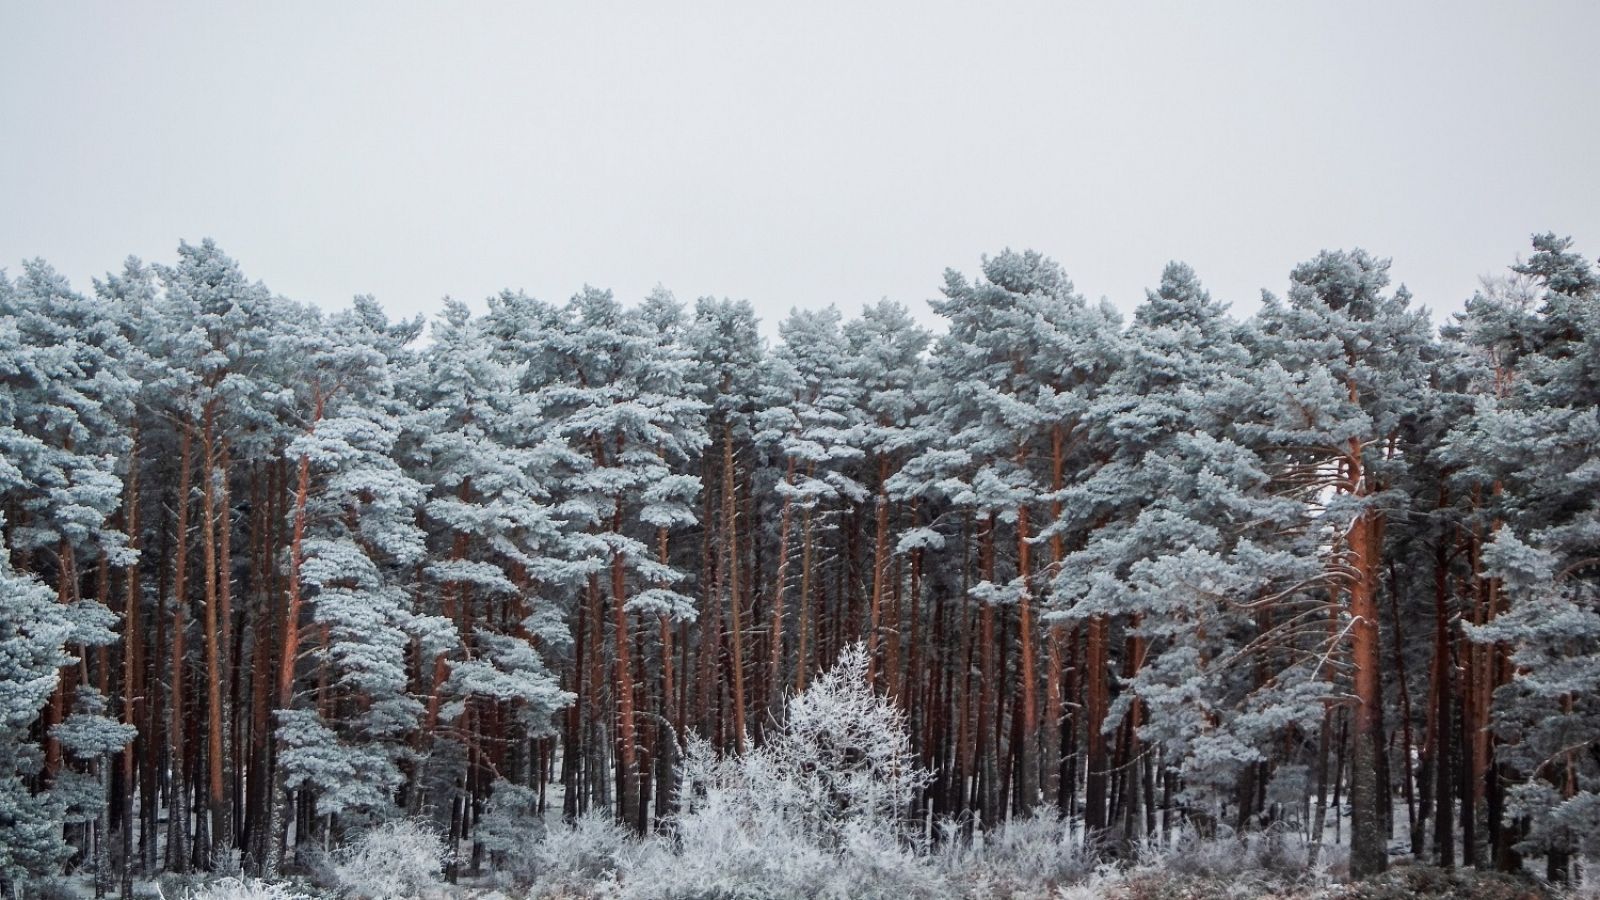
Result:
x=735 y=623
x=627 y=757
x=802 y=658
x=1027 y=758
x=177 y=816
x=988 y=714
x=666 y=744
x=56 y=711
x=1050 y=737
x=132 y=659
x=277 y=833
x=911 y=693
x=1368 y=854
x=880 y=570
x=1441 y=716
x=1405 y=708
x=1098 y=697
x=216 y=798
x=775 y=682
x=232 y=650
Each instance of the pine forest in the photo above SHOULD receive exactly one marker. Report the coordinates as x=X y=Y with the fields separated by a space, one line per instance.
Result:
x=596 y=594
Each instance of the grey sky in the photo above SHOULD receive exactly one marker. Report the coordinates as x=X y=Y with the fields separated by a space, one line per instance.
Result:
x=794 y=155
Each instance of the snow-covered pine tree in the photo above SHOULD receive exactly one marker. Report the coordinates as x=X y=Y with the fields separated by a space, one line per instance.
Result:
x=811 y=427
x=214 y=332
x=345 y=715
x=496 y=565
x=1342 y=369
x=1014 y=335
x=1528 y=451
x=33 y=636
x=628 y=421
x=886 y=360
x=727 y=350
x=66 y=392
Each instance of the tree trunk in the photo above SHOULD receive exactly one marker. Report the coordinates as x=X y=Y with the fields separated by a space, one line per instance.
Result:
x=1027 y=759
x=1368 y=850
x=735 y=624
x=880 y=570
x=802 y=658
x=1097 y=690
x=216 y=795
x=1441 y=715
x=1050 y=737
x=177 y=816
x=277 y=834
x=132 y=660
x=627 y=799
x=775 y=682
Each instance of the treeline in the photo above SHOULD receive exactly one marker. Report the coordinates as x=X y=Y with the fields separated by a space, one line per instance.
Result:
x=273 y=574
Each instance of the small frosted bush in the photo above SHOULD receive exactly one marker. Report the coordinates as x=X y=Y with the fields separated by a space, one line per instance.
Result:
x=1024 y=857
x=243 y=889
x=576 y=859
x=717 y=857
x=1275 y=852
x=394 y=861
x=510 y=829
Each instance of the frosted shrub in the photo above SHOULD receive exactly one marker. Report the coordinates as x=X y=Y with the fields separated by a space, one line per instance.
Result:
x=842 y=756
x=719 y=857
x=816 y=812
x=394 y=861
x=243 y=889
x=874 y=866
x=1103 y=882
x=1025 y=857
x=573 y=858
x=50 y=889
x=510 y=829
x=1254 y=863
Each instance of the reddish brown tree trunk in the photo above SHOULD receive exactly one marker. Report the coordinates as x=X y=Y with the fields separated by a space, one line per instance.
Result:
x=177 y=829
x=775 y=680
x=880 y=570
x=735 y=622
x=216 y=793
x=1368 y=854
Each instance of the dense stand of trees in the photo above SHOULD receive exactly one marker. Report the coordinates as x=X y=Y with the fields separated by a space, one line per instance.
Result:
x=272 y=574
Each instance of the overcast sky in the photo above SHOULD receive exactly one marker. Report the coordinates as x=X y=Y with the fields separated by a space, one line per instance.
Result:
x=794 y=154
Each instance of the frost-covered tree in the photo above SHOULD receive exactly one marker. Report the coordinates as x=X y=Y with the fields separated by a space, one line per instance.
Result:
x=66 y=394
x=627 y=422
x=811 y=425
x=33 y=638
x=1527 y=450
x=727 y=350
x=886 y=350
x=1020 y=341
x=497 y=558
x=841 y=762
x=345 y=715
x=1342 y=372
x=1172 y=520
